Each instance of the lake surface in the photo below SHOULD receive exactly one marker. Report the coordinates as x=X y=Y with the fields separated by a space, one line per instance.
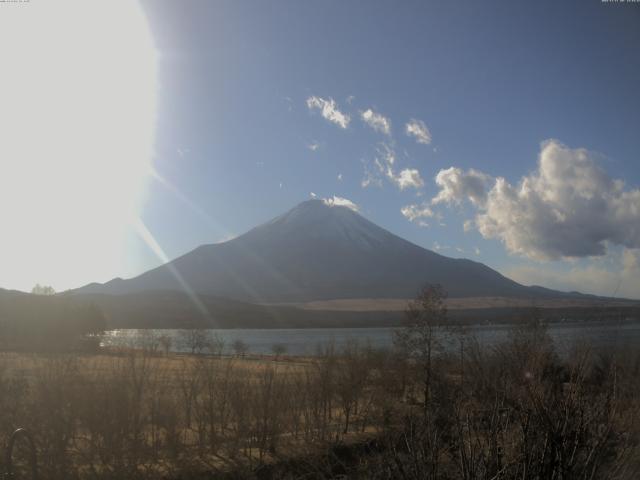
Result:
x=306 y=341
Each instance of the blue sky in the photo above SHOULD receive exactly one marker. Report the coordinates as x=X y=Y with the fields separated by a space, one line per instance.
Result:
x=491 y=82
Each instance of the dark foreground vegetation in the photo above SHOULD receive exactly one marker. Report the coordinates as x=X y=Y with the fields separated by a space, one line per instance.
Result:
x=437 y=406
x=45 y=322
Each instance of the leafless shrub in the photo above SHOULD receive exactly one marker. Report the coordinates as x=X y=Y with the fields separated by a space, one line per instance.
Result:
x=240 y=348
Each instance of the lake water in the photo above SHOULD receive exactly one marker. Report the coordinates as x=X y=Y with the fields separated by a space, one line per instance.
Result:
x=306 y=341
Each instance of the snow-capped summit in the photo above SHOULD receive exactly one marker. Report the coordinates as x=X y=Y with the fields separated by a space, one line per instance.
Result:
x=321 y=219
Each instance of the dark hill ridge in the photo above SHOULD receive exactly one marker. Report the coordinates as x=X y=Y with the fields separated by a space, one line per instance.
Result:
x=317 y=252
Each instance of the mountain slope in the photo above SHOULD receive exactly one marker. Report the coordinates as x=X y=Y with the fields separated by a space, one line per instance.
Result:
x=318 y=252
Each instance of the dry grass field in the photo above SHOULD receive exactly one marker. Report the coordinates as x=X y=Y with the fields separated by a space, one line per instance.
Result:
x=133 y=413
x=400 y=304
x=513 y=411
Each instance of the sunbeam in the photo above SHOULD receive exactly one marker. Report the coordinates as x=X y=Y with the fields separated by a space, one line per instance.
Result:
x=155 y=247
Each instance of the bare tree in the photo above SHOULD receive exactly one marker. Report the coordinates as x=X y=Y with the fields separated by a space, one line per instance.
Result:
x=165 y=342
x=216 y=344
x=351 y=380
x=196 y=340
x=43 y=290
x=278 y=349
x=240 y=347
x=419 y=339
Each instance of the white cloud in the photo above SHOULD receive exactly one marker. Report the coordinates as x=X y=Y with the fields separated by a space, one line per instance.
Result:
x=456 y=186
x=407 y=178
x=568 y=207
x=339 y=177
x=377 y=121
x=329 y=110
x=415 y=213
x=312 y=195
x=340 y=202
x=476 y=250
x=418 y=130
x=313 y=146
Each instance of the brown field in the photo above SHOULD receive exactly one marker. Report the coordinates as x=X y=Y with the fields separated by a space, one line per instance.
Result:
x=400 y=304
x=140 y=414
x=129 y=413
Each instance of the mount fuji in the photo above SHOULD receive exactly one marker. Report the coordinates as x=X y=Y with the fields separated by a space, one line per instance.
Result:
x=318 y=251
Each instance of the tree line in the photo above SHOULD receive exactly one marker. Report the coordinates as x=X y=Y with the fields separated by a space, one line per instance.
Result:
x=44 y=322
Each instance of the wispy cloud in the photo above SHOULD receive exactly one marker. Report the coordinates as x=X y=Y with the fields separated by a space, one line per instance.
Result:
x=438 y=247
x=418 y=130
x=385 y=154
x=385 y=167
x=467 y=226
x=339 y=177
x=313 y=146
x=371 y=177
x=417 y=213
x=329 y=110
x=376 y=121
x=289 y=101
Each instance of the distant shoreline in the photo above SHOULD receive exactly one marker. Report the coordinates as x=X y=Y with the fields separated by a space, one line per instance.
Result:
x=457 y=303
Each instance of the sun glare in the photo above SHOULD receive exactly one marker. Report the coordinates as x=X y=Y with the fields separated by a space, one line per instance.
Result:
x=77 y=119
